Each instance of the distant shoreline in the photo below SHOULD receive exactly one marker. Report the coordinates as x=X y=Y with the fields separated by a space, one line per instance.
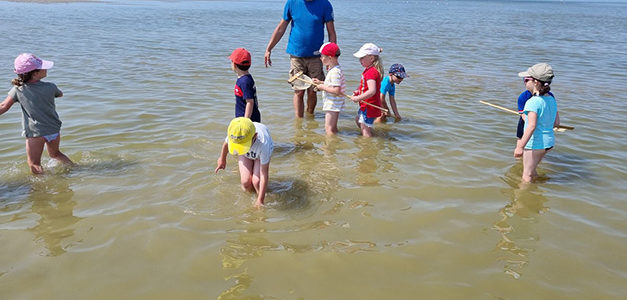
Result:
x=51 y=1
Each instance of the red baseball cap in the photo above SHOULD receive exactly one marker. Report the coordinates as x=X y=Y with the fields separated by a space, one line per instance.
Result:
x=329 y=49
x=240 y=56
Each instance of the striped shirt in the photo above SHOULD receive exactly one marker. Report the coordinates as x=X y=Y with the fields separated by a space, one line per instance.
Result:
x=332 y=102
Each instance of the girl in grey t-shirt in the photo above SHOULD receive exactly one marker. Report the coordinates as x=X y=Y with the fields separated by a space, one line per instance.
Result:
x=40 y=120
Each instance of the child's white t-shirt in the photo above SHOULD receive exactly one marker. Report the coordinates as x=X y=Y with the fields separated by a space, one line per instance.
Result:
x=262 y=147
x=332 y=102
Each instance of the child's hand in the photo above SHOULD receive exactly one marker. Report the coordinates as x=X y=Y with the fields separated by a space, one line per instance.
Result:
x=221 y=165
x=317 y=84
x=353 y=99
x=397 y=117
x=518 y=152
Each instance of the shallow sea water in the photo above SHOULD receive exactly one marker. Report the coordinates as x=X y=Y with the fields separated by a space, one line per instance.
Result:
x=430 y=208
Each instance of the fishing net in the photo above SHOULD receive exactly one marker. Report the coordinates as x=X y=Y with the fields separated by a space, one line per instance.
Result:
x=302 y=82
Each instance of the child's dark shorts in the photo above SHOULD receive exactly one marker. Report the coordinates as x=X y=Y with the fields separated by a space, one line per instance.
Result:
x=521 y=128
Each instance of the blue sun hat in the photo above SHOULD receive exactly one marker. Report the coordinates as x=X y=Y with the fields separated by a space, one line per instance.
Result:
x=398 y=70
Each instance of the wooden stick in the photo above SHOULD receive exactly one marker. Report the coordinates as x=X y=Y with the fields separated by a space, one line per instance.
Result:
x=297 y=77
x=373 y=105
x=306 y=80
x=565 y=127
x=499 y=107
x=515 y=112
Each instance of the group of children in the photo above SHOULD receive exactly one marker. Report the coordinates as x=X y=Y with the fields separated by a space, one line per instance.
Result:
x=537 y=108
x=251 y=141
x=371 y=92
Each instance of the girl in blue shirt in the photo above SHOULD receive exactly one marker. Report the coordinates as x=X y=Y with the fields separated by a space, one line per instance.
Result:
x=542 y=116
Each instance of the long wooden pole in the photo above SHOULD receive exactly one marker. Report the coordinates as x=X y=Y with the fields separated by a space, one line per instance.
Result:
x=297 y=76
x=515 y=112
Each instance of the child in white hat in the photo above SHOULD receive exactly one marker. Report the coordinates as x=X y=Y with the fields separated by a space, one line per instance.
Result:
x=368 y=91
x=40 y=121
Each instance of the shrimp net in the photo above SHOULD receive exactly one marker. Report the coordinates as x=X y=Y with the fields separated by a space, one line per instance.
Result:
x=301 y=82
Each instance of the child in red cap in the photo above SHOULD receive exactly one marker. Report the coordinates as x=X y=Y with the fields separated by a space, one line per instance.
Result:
x=41 y=123
x=333 y=87
x=245 y=91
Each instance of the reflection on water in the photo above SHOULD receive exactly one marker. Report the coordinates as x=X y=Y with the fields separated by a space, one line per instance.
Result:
x=234 y=254
x=242 y=283
x=367 y=159
x=516 y=226
x=305 y=137
x=50 y=200
x=251 y=246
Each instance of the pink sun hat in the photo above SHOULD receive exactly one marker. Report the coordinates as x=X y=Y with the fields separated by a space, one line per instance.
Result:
x=27 y=62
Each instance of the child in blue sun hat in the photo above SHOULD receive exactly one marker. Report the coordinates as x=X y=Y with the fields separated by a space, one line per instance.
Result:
x=396 y=75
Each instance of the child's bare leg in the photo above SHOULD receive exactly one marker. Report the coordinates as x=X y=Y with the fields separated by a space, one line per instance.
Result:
x=365 y=130
x=246 y=173
x=34 y=149
x=357 y=121
x=384 y=116
x=298 y=103
x=531 y=159
x=256 y=176
x=312 y=100
x=330 y=122
x=382 y=119
x=54 y=152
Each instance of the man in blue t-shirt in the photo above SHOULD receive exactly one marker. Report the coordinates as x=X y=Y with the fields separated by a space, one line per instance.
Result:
x=308 y=19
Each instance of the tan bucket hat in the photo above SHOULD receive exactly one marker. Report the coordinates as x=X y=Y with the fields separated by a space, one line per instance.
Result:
x=541 y=71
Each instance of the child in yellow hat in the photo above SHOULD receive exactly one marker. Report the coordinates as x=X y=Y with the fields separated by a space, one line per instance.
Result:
x=252 y=143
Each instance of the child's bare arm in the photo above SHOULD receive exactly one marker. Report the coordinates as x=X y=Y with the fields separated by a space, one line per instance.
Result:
x=372 y=85
x=222 y=158
x=6 y=104
x=249 y=108
x=532 y=119
x=557 y=119
x=384 y=104
x=397 y=116
x=263 y=184
x=337 y=90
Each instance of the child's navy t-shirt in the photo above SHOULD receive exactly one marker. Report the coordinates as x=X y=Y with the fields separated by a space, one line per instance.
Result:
x=245 y=89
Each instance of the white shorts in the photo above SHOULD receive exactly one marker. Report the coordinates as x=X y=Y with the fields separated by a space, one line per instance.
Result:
x=51 y=137
x=363 y=119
